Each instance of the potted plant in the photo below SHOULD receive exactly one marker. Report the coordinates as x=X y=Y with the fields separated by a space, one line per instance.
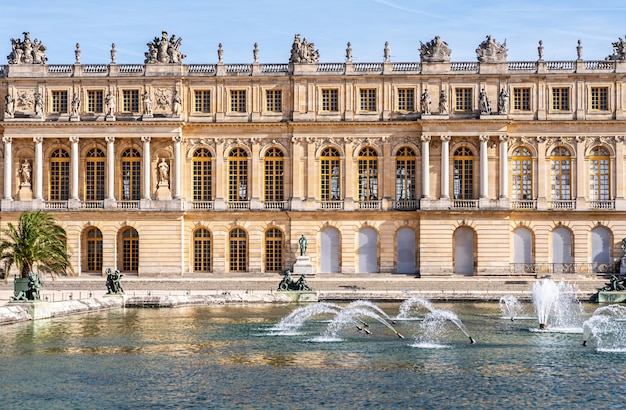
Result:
x=37 y=241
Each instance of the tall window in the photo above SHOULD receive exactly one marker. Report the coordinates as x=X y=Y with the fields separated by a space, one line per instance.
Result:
x=330 y=175
x=131 y=175
x=463 y=173
x=202 y=250
x=405 y=174
x=94 y=175
x=330 y=101
x=599 y=98
x=560 y=174
x=599 y=181
x=274 y=100
x=522 y=174
x=560 y=99
x=368 y=174
x=202 y=177
x=59 y=102
x=406 y=99
x=130 y=249
x=59 y=175
x=273 y=250
x=238 y=175
x=238 y=101
x=238 y=250
x=202 y=101
x=521 y=99
x=94 y=250
x=368 y=99
x=94 y=101
x=130 y=100
x=274 y=175
x=463 y=99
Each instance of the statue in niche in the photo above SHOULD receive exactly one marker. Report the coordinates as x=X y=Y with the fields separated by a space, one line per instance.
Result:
x=164 y=171
x=147 y=104
x=443 y=102
x=490 y=51
x=38 y=104
x=25 y=173
x=303 y=51
x=9 y=105
x=503 y=101
x=485 y=104
x=176 y=104
x=27 y=51
x=109 y=100
x=425 y=100
x=619 y=50
x=435 y=51
x=164 y=51
x=75 y=105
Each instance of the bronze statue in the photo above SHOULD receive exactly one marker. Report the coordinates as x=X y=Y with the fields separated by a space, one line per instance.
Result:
x=288 y=283
x=114 y=285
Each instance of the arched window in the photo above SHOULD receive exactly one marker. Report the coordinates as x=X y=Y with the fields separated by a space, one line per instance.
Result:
x=130 y=249
x=368 y=174
x=238 y=175
x=274 y=162
x=59 y=175
x=405 y=174
x=406 y=251
x=562 y=249
x=368 y=250
x=463 y=173
x=273 y=250
x=330 y=175
x=202 y=250
x=330 y=246
x=95 y=165
x=94 y=249
x=601 y=239
x=202 y=178
x=464 y=251
x=561 y=174
x=523 y=250
x=599 y=174
x=131 y=175
x=522 y=174
x=238 y=250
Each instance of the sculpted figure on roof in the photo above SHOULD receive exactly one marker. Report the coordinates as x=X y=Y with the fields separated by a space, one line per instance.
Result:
x=435 y=51
x=619 y=50
x=27 y=51
x=164 y=50
x=303 y=51
x=490 y=51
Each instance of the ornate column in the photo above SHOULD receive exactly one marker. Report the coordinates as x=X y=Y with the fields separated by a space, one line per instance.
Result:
x=445 y=166
x=543 y=173
x=74 y=162
x=504 y=166
x=425 y=166
x=484 y=176
x=146 y=167
x=8 y=168
x=110 y=167
x=177 y=166
x=38 y=167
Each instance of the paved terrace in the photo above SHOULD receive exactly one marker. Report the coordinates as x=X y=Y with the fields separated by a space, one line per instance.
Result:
x=330 y=286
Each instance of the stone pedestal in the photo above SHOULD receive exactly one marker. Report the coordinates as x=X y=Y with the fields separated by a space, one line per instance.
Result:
x=303 y=265
x=25 y=193
x=163 y=191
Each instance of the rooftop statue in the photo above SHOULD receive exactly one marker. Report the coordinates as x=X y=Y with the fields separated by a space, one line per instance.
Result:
x=435 y=51
x=619 y=50
x=27 y=51
x=164 y=51
x=303 y=51
x=490 y=51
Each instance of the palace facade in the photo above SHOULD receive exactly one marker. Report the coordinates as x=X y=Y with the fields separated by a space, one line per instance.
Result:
x=432 y=167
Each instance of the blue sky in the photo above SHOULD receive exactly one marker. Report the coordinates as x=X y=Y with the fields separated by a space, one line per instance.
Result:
x=367 y=24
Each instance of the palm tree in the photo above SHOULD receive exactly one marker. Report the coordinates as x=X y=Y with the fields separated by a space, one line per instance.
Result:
x=38 y=240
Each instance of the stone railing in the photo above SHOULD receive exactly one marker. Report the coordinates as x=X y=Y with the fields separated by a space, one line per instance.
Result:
x=524 y=204
x=406 y=205
x=465 y=203
x=541 y=269
x=275 y=205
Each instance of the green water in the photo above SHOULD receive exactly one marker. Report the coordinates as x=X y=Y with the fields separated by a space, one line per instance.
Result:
x=227 y=357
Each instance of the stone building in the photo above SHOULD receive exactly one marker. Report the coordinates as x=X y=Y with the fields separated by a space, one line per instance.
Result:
x=432 y=167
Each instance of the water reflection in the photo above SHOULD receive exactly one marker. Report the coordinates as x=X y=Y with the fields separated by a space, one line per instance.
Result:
x=225 y=357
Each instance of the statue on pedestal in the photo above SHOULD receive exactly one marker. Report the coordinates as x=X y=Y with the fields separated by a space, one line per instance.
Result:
x=303 y=245
x=114 y=285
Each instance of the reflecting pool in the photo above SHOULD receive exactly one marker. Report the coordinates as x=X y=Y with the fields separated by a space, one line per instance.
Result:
x=235 y=357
